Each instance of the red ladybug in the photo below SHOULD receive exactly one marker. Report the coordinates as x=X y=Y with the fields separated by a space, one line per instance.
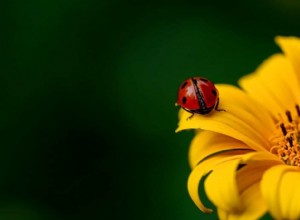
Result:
x=198 y=95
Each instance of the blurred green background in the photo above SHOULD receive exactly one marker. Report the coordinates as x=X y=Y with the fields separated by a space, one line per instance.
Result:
x=87 y=99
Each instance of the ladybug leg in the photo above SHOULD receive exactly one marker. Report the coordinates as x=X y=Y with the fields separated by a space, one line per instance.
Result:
x=217 y=109
x=192 y=113
x=190 y=117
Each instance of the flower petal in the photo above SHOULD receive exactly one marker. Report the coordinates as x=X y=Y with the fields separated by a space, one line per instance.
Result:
x=225 y=195
x=231 y=195
x=280 y=189
x=260 y=156
x=206 y=143
x=256 y=165
x=248 y=181
x=244 y=119
x=222 y=214
x=274 y=85
x=294 y=211
x=201 y=170
x=291 y=49
x=253 y=202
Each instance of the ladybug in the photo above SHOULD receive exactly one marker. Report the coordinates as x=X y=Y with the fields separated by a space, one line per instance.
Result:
x=198 y=95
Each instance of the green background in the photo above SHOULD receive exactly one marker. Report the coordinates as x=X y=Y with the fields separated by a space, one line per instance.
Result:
x=87 y=91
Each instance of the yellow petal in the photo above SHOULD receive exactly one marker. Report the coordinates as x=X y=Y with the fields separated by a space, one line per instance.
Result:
x=245 y=119
x=201 y=170
x=280 y=189
x=230 y=196
x=260 y=156
x=256 y=165
x=223 y=215
x=221 y=187
x=289 y=195
x=248 y=181
x=291 y=49
x=206 y=143
x=253 y=202
x=274 y=85
x=294 y=211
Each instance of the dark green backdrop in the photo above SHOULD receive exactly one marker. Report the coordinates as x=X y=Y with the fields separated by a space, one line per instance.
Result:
x=87 y=93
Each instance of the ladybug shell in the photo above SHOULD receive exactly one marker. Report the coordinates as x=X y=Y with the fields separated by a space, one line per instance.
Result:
x=198 y=95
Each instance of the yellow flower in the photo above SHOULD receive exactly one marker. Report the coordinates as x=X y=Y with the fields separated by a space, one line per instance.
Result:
x=249 y=156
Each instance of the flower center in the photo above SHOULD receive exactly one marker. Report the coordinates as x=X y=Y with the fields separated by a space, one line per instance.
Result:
x=286 y=140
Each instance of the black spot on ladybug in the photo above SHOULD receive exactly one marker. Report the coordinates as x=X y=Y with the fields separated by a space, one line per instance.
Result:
x=214 y=92
x=204 y=80
x=184 y=84
x=184 y=100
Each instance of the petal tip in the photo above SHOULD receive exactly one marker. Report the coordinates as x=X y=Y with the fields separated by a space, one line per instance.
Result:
x=282 y=40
